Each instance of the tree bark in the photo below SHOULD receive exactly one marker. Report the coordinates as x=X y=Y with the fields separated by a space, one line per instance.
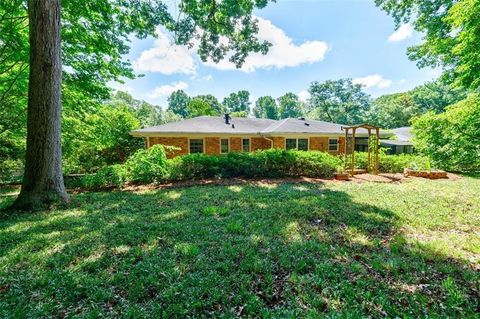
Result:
x=43 y=179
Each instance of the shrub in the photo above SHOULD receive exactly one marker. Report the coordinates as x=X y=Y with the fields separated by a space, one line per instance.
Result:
x=110 y=176
x=392 y=163
x=268 y=163
x=147 y=166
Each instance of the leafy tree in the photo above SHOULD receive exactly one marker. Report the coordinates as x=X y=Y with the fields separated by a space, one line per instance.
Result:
x=266 y=107
x=436 y=96
x=393 y=110
x=239 y=114
x=338 y=101
x=148 y=114
x=451 y=35
x=238 y=102
x=289 y=105
x=178 y=102
x=452 y=138
x=213 y=101
x=198 y=107
x=95 y=39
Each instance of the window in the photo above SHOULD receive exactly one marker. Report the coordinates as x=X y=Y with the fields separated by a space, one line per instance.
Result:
x=246 y=145
x=224 y=146
x=300 y=144
x=333 y=144
x=291 y=144
x=196 y=146
x=303 y=144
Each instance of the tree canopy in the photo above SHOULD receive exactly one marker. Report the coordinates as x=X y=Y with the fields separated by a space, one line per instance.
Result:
x=452 y=138
x=266 y=107
x=451 y=35
x=339 y=101
x=238 y=102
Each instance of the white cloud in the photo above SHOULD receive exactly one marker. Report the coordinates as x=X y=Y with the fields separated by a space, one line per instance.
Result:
x=404 y=32
x=304 y=96
x=375 y=80
x=166 y=57
x=168 y=89
x=282 y=53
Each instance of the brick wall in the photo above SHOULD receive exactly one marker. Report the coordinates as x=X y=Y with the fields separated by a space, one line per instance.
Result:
x=341 y=145
x=318 y=143
x=278 y=142
x=212 y=145
x=259 y=143
x=235 y=144
x=180 y=142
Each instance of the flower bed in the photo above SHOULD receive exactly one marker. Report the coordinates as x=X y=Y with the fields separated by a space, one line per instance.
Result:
x=430 y=174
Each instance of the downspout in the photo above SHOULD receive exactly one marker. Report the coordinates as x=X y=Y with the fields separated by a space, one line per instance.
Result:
x=268 y=139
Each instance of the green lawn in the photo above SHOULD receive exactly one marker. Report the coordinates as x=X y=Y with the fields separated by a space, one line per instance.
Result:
x=342 y=250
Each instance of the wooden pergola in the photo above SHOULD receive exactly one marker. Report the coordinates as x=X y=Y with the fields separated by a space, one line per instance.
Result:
x=353 y=130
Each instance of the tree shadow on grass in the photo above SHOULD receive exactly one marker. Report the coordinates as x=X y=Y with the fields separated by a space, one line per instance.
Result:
x=273 y=250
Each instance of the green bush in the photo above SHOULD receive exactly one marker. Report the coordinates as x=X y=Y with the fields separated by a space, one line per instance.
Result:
x=392 y=163
x=268 y=163
x=147 y=166
x=110 y=176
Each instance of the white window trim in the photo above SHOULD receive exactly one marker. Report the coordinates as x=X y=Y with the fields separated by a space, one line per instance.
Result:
x=249 y=144
x=203 y=145
x=333 y=139
x=220 y=145
x=296 y=142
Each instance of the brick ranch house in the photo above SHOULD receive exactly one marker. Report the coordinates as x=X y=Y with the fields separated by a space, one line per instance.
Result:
x=220 y=135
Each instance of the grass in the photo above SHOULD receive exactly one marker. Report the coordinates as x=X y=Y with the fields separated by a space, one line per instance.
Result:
x=340 y=250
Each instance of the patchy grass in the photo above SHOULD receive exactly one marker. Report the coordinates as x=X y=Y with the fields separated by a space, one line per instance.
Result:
x=289 y=250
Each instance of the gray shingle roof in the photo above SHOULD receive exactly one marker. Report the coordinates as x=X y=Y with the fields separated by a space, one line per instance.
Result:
x=210 y=124
x=216 y=125
x=403 y=133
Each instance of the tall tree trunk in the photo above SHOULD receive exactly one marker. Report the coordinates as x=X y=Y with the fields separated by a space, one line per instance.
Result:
x=43 y=179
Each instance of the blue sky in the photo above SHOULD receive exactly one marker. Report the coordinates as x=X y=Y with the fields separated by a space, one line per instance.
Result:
x=313 y=40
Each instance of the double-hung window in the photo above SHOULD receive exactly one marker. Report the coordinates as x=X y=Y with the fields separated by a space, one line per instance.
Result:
x=246 y=145
x=300 y=144
x=196 y=146
x=333 y=144
x=224 y=145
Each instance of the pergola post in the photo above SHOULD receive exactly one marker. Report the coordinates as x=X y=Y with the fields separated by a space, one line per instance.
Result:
x=377 y=140
x=368 y=150
x=353 y=151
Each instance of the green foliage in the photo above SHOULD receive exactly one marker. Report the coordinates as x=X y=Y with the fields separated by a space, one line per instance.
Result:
x=451 y=139
x=268 y=163
x=289 y=105
x=147 y=166
x=436 y=96
x=338 y=101
x=238 y=102
x=392 y=111
x=266 y=107
x=392 y=163
x=106 y=177
x=198 y=107
x=100 y=138
x=178 y=103
x=213 y=102
x=451 y=35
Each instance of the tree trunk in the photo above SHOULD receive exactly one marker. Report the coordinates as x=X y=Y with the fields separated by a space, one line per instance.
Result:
x=43 y=180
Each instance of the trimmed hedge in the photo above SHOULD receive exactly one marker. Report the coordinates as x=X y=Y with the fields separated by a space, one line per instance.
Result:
x=268 y=163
